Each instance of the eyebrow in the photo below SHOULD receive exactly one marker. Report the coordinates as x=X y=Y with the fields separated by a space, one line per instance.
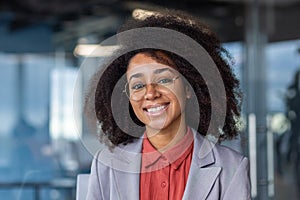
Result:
x=137 y=75
x=157 y=71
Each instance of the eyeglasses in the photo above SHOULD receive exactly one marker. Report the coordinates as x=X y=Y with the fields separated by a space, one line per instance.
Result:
x=136 y=90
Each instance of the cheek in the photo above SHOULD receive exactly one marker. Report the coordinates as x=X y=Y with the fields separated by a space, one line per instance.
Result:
x=180 y=106
x=179 y=101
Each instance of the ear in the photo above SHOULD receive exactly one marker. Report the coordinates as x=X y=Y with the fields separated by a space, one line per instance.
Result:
x=188 y=91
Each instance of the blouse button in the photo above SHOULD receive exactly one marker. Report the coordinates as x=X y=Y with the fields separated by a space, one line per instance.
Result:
x=163 y=158
x=163 y=184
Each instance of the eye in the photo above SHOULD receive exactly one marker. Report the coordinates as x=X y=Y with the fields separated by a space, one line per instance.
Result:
x=164 y=81
x=137 y=86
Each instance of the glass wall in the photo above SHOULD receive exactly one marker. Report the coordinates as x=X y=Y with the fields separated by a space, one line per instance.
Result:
x=45 y=143
x=283 y=105
x=29 y=163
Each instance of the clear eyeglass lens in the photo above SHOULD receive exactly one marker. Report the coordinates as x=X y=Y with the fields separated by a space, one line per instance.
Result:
x=136 y=91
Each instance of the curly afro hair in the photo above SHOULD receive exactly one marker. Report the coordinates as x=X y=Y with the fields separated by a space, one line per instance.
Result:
x=118 y=125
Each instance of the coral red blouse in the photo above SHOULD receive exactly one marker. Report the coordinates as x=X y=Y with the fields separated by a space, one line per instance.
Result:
x=164 y=175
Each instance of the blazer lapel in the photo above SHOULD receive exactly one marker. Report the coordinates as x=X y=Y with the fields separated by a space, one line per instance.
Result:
x=125 y=162
x=126 y=185
x=202 y=175
x=126 y=165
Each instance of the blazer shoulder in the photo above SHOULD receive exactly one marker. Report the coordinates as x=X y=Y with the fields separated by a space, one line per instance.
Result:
x=234 y=172
x=222 y=155
x=225 y=155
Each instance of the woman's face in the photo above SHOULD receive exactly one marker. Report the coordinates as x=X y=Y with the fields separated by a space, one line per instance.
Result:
x=157 y=93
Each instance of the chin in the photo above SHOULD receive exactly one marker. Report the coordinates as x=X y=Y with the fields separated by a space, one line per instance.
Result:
x=157 y=124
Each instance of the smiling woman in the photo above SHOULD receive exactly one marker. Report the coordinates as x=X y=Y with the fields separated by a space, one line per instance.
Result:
x=156 y=128
x=158 y=99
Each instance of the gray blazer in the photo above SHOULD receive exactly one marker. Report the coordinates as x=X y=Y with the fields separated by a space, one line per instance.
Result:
x=216 y=172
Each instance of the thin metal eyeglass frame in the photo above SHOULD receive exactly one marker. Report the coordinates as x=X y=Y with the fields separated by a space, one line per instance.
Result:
x=128 y=96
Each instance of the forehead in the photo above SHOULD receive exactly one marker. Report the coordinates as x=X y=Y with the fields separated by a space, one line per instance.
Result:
x=144 y=63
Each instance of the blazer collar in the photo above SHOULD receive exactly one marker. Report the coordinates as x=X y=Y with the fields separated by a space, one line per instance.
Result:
x=203 y=174
x=203 y=154
x=126 y=158
x=126 y=162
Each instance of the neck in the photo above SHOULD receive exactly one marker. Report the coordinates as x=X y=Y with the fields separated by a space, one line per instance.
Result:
x=167 y=137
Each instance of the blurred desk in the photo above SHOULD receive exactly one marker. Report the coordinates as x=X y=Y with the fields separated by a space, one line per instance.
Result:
x=59 y=184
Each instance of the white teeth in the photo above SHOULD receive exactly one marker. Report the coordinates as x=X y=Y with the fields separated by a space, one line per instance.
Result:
x=156 y=109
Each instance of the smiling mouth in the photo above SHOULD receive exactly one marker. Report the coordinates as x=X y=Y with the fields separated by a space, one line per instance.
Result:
x=156 y=109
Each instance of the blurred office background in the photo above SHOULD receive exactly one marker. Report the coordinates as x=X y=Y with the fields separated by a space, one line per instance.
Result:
x=44 y=142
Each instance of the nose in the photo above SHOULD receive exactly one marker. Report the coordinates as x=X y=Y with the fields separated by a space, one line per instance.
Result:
x=151 y=92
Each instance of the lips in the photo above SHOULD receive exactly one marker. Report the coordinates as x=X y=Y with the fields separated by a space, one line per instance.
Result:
x=156 y=109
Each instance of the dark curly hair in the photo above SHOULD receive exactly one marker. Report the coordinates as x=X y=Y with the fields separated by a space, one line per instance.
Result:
x=99 y=101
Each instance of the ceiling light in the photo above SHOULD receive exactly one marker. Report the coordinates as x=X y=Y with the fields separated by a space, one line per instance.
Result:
x=94 y=50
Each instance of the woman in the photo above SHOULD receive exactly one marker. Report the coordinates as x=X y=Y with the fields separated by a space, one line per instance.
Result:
x=157 y=110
